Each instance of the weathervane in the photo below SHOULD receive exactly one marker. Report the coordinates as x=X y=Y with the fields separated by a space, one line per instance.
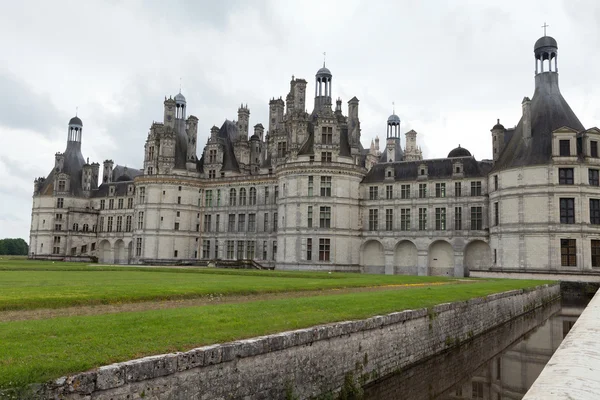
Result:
x=545 y=26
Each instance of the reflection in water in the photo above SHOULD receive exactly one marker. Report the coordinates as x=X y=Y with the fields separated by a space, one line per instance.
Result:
x=499 y=365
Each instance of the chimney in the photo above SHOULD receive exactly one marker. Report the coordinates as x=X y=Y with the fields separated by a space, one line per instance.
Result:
x=526 y=104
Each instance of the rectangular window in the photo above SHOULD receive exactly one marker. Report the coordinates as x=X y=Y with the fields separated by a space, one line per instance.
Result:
x=230 y=249
x=422 y=219
x=59 y=217
x=130 y=202
x=405 y=191
x=216 y=249
x=142 y=195
x=565 y=148
x=217 y=222
x=440 y=219
x=120 y=204
x=61 y=186
x=265 y=250
x=476 y=218
x=310 y=185
x=405 y=219
x=373 y=192
x=266 y=223
x=496 y=214
x=477 y=392
x=276 y=193
x=594 y=148
x=101 y=223
x=495 y=182
x=176 y=226
x=476 y=188
x=595 y=211
x=240 y=249
x=568 y=253
x=326 y=186
x=565 y=176
x=275 y=222
x=242 y=197
x=326 y=156
x=373 y=219
x=102 y=204
x=212 y=156
x=422 y=190
x=111 y=204
x=274 y=253
x=57 y=227
x=389 y=192
x=109 y=224
x=325 y=217
x=218 y=197
x=595 y=253
x=252 y=197
x=60 y=202
x=567 y=211
x=212 y=174
x=84 y=248
x=593 y=177
x=231 y=223
x=128 y=223
x=309 y=221
x=138 y=247
x=324 y=249
x=440 y=190
x=208 y=199
x=458 y=218
x=389 y=219
x=241 y=222
x=267 y=197
x=56 y=239
x=206 y=249
x=207 y=223
x=327 y=135
x=309 y=249
x=250 y=249
x=251 y=222
x=281 y=149
x=458 y=189
x=119 y=223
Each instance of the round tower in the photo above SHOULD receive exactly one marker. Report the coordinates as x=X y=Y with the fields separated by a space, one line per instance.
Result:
x=497 y=139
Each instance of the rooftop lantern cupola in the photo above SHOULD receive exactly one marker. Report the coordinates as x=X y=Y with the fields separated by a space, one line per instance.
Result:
x=180 y=106
x=546 y=54
x=322 y=87
x=393 y=125
x=75 y=129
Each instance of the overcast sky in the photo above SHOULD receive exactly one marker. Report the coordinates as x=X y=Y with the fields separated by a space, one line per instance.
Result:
x=451 y=67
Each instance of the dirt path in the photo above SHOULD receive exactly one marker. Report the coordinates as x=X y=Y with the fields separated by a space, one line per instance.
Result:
x=46 y=313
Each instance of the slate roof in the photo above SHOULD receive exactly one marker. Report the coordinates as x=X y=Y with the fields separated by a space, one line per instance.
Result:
x=72 y=166
x=227 y=135
x=398 y=156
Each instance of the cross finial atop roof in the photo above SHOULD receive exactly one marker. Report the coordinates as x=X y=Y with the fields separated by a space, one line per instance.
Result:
x=324 y=56
x=545 y=26
x=393 y=107
x=76 y=110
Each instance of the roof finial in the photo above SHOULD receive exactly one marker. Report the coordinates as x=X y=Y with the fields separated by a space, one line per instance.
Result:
x=393 y=107
x=545 y=26
x=324 y=56
x=179 y=85
x=76 y=110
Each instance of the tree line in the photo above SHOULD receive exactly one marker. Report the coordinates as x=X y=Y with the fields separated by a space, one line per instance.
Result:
x=13 y=247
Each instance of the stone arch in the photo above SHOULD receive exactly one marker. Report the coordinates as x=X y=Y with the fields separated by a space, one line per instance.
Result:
x=441 y=258
x=478 y=255
x=106 y=253
x=405 y=258
x=373 y=257
x=119 y=249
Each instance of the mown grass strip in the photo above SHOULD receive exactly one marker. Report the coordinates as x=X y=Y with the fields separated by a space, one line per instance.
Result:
x=39 y=350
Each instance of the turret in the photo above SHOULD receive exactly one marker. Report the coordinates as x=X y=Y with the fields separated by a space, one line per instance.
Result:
x=353 y=122
x=95 y=174
x=259 y=130
x=170 y=112
x=299 y=95
x=86 y=177
x=276 y=109
x=192 y=134
x=243 y=121
x=108 y=171
x=497 y=139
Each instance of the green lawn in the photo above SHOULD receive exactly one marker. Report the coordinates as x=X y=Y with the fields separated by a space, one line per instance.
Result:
x=45 y=285
x=43 y=349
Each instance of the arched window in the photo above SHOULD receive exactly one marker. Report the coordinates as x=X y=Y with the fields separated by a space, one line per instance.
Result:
x=75 y=226
x=252 y=199
x=232 y=197
x=242 y=197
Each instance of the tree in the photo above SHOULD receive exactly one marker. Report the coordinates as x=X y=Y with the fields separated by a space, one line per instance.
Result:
x=13 y=247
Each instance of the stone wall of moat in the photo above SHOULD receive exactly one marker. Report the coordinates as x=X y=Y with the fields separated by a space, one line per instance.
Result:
x=303 y=363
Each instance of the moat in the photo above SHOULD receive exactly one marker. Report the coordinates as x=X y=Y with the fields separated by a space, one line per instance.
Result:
x=499 y=365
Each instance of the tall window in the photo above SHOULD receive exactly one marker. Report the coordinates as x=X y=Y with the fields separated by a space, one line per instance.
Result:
x=309 y=249
x=496 y=214
x=111 y=204
x=151 y=153
x=101 y=223
x=476 y=188
x=102 y=204
x=208 y=198
x=251 y=222
x=326 y=156
x=61 y=186
x=373 y=219
x=241 y=222
x=440 y=219
x=458 y=218
x=567 y=211
x=119 y=223
x=275 y=222
x=240 y=249
x=212 y=156
x=565 y=148
x=389 y=219
x=440 y=190
x=405 y=219
x=109 y=225
x=595 y=253
x=422 y=190
x=310 y=185
x=281 y=149
x=267 y=199
x=276 y=193
x=324 y=249
x=327 y=135
x=138 y=247
x=120 y=204
x=274 y=251
x=326 y=186
x=389 y=192
x=231 y=223
x=593 y=177
x=594 y=148
x=565 y=176
x=230 y=249
x=266 y=222
x=250 y=249
x=212 y=174
x=242 y=197
x=568 y=253
x=128 y=223
x=217 y=222
x=207 y=222
x=60 y=202
x=265 y=250
x=309 y=221
x=252 y=197
x=373 y=192
x=476 y=218
x=457 y=189
x=422 y=219
x=325 y=217
x=206 y=248
x=176 y=226
x=495 y=182
x=232 y=197
x=142 y=195
x=595 y=211
x=130 y=202
x=405 y=191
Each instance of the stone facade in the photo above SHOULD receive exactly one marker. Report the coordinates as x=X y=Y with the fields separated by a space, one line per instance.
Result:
x=305 y=193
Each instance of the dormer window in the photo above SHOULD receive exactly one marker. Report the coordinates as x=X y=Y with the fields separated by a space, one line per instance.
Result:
x=594 y=148
x=112 y=190
x=565 y=148
x=422 y=172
